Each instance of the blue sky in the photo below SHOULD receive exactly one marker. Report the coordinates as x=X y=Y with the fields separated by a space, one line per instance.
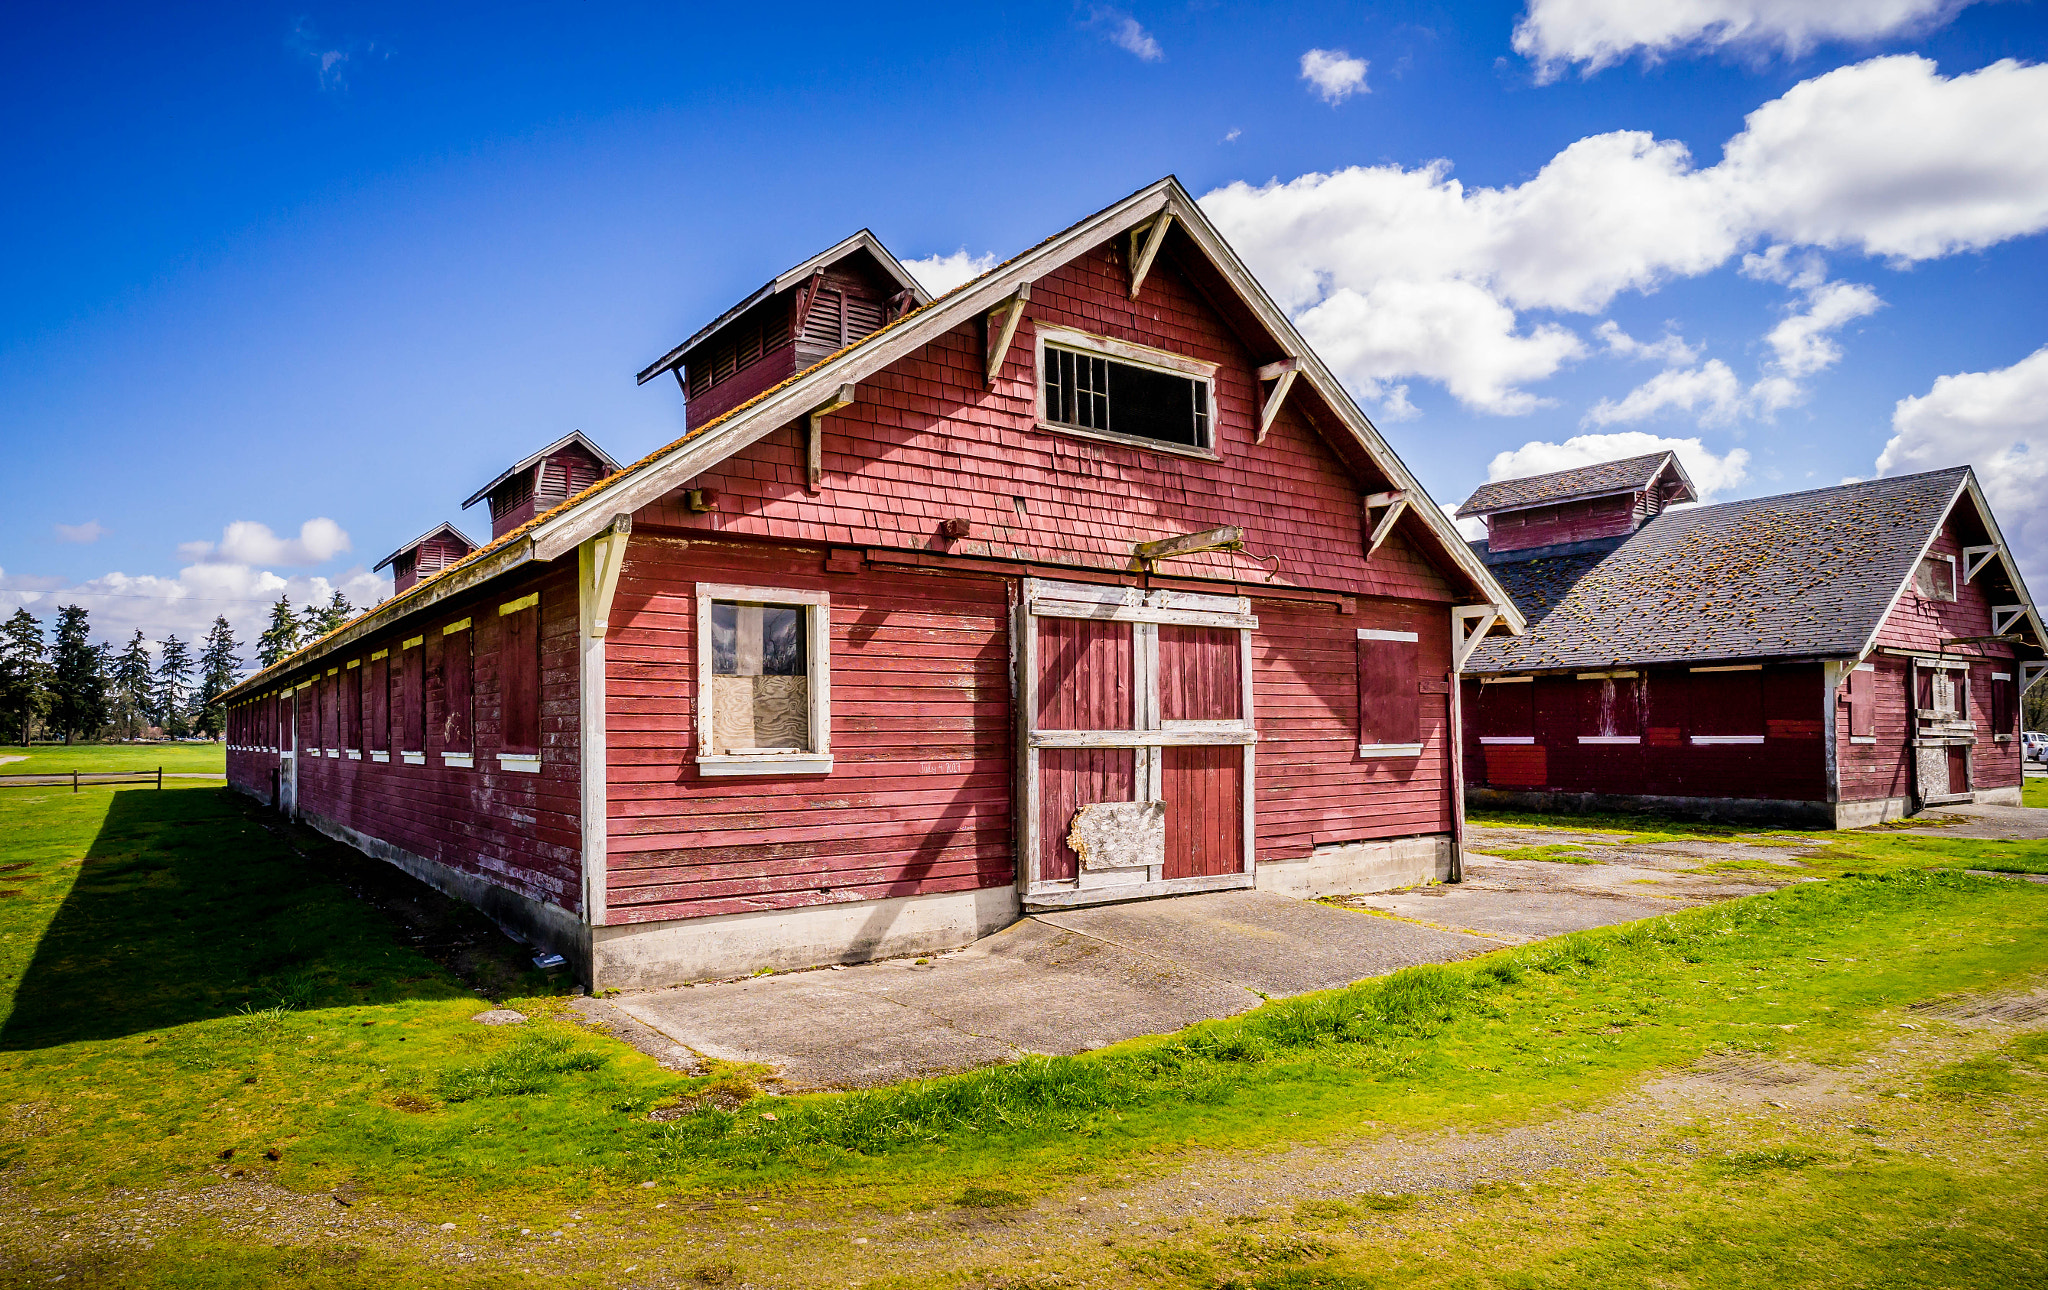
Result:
x=287 y=283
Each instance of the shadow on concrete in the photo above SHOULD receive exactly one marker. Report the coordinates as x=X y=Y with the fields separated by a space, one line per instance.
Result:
x=192 y=904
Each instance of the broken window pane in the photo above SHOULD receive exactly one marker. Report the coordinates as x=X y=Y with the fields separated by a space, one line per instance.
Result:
x=760 y=668
x=1088 y=392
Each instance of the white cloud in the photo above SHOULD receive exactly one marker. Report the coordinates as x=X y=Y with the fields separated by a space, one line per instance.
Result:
x=1711 y=392
x=187 y=603
x=1711 y=474
x=1471 y=528
x=1670 y=349
x=1802 y=343
x=1234 y=135
x=90 y=531
x=939 y=274
x=1594 y=34
x=1127 y=34
x=248 y=542
x=1886 y=157
x=1998 y=422
x=1335 y=74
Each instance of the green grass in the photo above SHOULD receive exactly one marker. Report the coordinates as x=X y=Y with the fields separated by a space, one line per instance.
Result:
x=1557 y=853
x=186 y=992
x=2035 y=791
x=210 y=759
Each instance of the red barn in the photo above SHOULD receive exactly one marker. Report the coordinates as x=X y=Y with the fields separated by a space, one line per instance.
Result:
x=1084 y=582
x=1836 y=657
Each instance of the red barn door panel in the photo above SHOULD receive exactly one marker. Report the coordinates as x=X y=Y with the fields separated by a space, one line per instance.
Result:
x=1069 y=779
x=1203 y=789
x=1084 y=674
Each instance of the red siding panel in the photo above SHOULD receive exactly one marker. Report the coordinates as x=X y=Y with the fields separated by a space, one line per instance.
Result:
x=1069 y=779
x=1084 y=675
x=1198 y=674
x=1204 y=793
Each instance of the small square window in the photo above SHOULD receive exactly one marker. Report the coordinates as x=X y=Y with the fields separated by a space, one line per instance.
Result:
x=763 y=698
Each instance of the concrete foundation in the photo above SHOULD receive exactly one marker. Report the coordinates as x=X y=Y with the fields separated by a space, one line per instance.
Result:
x=1861 y=815
x=646 y=956
x=1352 y=867
x=2000 y=796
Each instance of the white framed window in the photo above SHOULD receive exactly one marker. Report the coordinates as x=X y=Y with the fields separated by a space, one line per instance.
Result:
x=1099 y=387
x=764 y=681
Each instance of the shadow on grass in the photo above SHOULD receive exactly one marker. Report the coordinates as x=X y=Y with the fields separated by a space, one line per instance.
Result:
x=186 y=908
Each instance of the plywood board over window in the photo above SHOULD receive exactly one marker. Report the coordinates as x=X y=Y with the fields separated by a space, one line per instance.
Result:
x=1863 y=704
x=519 y=683
x=1727 y=704
x=1389 y=698
x=458 y=681
x=412 y=706
x=764 y=688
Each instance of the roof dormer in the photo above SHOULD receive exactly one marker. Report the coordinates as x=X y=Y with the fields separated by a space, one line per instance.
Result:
x=1587 y=504
x=425 y=556
x=798 y=317
x=554 y=474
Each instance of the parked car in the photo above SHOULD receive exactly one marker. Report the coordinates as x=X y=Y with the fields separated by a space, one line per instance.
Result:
x=2034 y=746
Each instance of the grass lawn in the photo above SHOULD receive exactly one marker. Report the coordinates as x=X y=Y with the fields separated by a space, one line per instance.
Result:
x=2035 y=792
x=210 y=758
x=193 y=998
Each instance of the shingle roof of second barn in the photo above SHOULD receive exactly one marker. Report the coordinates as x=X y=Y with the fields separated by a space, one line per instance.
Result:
x=1622 y=476
x=1800 y=574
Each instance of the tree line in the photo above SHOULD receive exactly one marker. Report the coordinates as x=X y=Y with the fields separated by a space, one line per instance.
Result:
x=70 y=686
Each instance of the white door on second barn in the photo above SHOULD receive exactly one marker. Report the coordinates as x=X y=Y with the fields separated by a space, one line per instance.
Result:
x=1138 y=743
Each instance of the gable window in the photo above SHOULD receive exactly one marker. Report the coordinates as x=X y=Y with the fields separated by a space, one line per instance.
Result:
x=1935 y=579
x=764 y=698
x=1112 y=389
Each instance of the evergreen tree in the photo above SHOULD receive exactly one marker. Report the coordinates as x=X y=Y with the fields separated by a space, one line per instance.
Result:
x=280 y=639
x=173 y=685
x=131 y=690
x=77 y=684
x=336 y=612
x=24 y=676
x=218 y=664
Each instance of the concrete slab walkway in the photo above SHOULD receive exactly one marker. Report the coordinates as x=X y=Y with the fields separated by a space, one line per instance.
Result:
x=1063 y=982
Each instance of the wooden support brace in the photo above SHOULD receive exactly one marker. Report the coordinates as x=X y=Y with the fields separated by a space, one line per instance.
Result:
x=805 y=295
x=1391 y=505
x=1142 y=255
x=1002 y=329
x=607 y=557
x=1227 y=538
x=814 y=453
x=1282 y=375
x=2030 y=673
x=2004 y=616
x=1975 y=558
x=1469 y=625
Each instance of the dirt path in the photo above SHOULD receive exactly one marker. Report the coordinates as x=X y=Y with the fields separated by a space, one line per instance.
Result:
x=1383 y=1187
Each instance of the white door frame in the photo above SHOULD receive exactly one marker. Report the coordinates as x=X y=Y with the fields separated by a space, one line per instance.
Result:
x=1146 y=611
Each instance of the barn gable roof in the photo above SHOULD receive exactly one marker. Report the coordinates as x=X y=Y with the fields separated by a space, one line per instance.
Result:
x=574 y=437
x=591 y=512
x=1802 y=575
x=1629 y=475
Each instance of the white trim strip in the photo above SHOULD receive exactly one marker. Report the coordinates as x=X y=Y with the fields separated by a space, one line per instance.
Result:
x=1736 y=667
x=465 y=761
x=1375 y=634
x=1507 y=739
x=1610 y=739
x=1390 y=750
x=791 y=764
x=1727 y=739
x=528 y=763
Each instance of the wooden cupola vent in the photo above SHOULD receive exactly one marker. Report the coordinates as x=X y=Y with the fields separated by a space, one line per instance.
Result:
x=538 y=483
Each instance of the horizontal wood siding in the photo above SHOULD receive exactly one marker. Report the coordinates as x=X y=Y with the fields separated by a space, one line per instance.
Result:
x=1313 y=787
x=518 y=830
x=918 y=798
x=1536 y=526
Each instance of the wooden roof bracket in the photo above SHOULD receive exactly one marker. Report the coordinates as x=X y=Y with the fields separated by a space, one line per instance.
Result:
x=2030 y=673
x=1469 y=626
x=1001 y=329
x=1144 y=555
x=607 y=554
x=1282 y=375
x=814 y=450
x=1391 y=506
x=2004 y=616
x=1142 y=254
x=806 y=296
x=1975 y=558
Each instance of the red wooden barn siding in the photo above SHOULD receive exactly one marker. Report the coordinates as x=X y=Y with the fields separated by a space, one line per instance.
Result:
x=516 y=829
x=918 y=800
x=1918 y=623
x=1313 y=787
x=1873 y=771
x=926 y=440
x=1788 y=766
x=1581 y=521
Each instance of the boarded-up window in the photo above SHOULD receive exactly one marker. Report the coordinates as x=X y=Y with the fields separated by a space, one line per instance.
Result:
x=1728 y=703
x=1610 y=705
x=1506 y=709
x=1863 y=702
x=2005 y=708
x=412 y=688
x=760 y=666
x=380 y=702
x=1389 y=706
x=352 y=708
x=1935 y=579
x=519 y=674
x=457 y=688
